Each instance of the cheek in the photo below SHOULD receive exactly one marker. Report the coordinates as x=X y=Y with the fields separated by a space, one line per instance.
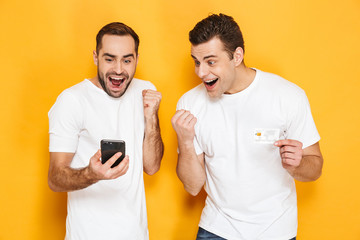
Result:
x=105 y=70
x=227 y=73
x=197 y=71
x=101 y=68
x=218 y=72
x=131 y=69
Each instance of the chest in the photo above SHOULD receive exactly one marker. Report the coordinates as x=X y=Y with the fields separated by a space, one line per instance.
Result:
x=234 y=128
x=110 y=119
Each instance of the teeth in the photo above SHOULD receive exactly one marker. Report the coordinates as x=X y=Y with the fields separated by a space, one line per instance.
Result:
x=118 y=79
x=210 y=81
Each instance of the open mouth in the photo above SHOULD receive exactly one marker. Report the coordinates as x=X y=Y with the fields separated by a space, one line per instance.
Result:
x=117 y=81
x=211 y=82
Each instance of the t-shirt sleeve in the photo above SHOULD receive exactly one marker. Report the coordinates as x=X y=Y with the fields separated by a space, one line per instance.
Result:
x=150 y=85
x=65 y=120
x=181 y=105
x=301 y=125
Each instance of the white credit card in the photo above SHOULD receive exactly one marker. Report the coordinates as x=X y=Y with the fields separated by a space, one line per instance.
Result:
x=266 y=135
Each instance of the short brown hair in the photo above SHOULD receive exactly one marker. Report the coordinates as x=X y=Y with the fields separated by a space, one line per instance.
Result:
x=116 y=28
x=222 y=26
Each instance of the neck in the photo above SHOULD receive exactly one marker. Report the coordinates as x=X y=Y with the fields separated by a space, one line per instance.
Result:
x=244 y=77
x=96 y=82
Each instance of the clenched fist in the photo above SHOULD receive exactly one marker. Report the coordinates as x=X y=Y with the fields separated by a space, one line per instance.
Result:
x=151 y=101
x=183 y=123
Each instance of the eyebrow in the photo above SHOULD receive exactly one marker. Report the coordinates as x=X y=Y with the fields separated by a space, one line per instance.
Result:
x=129 y=55
x=108 y=55
x=206 y=57
x=113 y=56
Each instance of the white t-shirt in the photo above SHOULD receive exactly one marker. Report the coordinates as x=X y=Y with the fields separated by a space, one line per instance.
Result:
x=81 y=117
x=250 y=195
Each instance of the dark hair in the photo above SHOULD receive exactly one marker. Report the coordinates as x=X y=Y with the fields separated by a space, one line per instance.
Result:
x=222 y=26
x=116 y=28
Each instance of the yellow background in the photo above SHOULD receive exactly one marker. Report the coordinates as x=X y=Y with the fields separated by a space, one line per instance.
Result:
x=46 y=46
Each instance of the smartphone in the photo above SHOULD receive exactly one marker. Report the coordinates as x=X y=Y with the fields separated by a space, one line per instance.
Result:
x=109 y=148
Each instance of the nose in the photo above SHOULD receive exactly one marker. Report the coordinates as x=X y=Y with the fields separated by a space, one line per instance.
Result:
x=118 y=68
x=202 y=71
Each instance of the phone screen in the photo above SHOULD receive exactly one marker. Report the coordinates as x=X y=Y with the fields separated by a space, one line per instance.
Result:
x=109 y=148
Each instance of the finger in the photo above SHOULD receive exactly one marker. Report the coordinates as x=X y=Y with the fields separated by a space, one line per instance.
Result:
x=123 y=162
x=123 y=171
x=296 y=152
x=126 y=166
x=184 y=119
x=113 y=159
x=188 y=118
x=150 y=91
x=291 y=162
x=122 y=168
x=177 y=114
x=290 y=149
x=97 y=155
x=288 y=142
x=151 y=94
x=192 y=122
x=288 y=155
x=182 y=114
x=156 y=95
x=288 y=161
x=151 y=101
x=152 y=98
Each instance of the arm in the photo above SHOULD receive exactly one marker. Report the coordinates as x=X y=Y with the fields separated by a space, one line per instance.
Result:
x=153 y=147
x=190 y=167
x=63 y=178
x=303 y=164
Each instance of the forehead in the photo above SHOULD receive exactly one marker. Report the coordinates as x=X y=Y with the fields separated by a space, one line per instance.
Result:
x=117 y=45
x=212 y=47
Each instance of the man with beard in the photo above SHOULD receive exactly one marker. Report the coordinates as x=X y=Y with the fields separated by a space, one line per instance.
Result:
x=106 y=202
x=244 y=135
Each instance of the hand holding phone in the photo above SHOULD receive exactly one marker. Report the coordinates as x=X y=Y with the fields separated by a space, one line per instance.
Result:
x=109 y=148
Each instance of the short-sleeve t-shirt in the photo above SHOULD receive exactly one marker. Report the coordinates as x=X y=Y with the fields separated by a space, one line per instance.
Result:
x=81 y=117
x=250 y=194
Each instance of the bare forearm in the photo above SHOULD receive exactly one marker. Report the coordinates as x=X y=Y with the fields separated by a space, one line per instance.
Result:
x=153 y=147
x=63 y=178
x=310 y=169
x=190 y=166
x=68 y=179
x=190 y=169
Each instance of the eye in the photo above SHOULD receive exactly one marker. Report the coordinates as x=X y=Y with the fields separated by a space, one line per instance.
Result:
x=197 y=63
x=108 y=59
x=127 y=61
x=211 y=63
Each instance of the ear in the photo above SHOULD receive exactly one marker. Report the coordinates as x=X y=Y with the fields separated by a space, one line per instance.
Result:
x=238 y=56
x=137 y=60
x=95 y=57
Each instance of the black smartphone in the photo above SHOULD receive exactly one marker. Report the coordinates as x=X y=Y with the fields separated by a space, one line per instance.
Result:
x=109 y=148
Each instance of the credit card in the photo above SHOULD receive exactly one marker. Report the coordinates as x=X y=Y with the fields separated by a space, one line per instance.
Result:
x=266 y=135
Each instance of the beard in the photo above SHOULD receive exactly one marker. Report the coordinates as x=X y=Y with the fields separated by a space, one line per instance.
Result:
x=106 y=89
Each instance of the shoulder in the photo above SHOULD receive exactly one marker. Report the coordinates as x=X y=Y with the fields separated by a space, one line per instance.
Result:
x=142 y=84
x=193 y=99
x=73 y=92
x=197 y=95
x=71 y=97
x=279 y=85
x=77 y=90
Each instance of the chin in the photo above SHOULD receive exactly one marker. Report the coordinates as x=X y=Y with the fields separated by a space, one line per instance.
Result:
x=117 y=94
